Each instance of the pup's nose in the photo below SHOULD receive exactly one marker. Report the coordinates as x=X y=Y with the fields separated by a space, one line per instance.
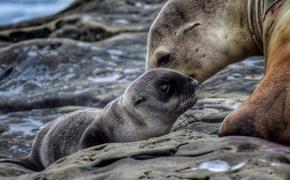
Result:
x=194 y=83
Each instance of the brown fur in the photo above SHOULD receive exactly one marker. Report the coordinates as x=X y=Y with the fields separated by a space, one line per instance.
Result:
x=229 y=33
x=267 y=110
x=210 y=35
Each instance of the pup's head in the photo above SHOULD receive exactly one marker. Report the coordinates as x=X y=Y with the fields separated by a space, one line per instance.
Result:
x=162 y=93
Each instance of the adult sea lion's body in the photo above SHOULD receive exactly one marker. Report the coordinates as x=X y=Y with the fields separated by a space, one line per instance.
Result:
x=199 y=38
x=148 y=108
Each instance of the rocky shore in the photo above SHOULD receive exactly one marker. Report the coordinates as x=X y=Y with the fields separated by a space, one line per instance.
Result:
x=85 y=56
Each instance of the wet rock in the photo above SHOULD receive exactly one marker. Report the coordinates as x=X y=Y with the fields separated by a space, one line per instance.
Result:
x=85 y=56
x=240 y=78
x=184 y=154
x=54 y=73
x=9 y=171
x=3 y=128
x=88 y=21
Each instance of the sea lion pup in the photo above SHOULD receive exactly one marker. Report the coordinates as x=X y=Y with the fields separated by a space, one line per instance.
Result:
x=148 y=108
x=199 y=38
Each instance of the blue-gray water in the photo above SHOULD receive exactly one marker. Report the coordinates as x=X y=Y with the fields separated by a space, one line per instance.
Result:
x=12 y=11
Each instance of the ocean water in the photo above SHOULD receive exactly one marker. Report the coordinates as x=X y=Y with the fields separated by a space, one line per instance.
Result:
x=12 y=11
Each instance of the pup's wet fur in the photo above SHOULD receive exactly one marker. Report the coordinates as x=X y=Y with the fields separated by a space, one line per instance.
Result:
x=148 y=108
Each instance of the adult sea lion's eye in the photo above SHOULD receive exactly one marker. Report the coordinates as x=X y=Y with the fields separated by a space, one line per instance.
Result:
x=164 y=88
x=164 y=60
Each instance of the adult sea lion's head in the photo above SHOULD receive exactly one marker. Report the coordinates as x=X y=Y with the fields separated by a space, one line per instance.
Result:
x=199 y=38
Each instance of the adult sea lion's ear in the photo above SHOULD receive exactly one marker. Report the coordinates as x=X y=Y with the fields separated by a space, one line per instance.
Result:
x=137 y=100
x=190 y=26
x=186 y=28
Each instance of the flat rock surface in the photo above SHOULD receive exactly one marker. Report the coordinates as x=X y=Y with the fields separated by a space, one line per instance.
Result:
x=184 y=154
x=86 y=56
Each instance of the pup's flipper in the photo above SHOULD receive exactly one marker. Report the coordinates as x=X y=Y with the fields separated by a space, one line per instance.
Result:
x=21 y=162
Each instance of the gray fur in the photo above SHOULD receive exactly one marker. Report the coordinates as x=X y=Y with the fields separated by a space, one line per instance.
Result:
x=144 y=111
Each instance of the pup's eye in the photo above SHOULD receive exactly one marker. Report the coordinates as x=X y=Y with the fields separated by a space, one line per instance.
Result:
x=164 y=60
x=164 y=88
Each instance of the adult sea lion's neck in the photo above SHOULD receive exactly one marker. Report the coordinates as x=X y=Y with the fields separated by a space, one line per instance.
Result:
x=262 y=18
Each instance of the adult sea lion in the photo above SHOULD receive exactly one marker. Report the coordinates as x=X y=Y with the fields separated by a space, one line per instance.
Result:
x=199 y=38
x=148 y=108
